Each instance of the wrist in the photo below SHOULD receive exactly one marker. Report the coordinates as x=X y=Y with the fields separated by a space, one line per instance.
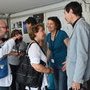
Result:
x=49 y=70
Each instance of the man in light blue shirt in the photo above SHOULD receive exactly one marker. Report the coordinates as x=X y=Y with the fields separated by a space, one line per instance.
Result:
x=78 y=56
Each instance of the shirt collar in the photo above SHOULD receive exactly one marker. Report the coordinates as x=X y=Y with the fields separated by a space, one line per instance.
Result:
x=75 y=22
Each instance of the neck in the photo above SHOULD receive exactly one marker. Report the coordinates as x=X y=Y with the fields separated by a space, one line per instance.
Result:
x=40 y=42
x=53 y=33
x=75 y=18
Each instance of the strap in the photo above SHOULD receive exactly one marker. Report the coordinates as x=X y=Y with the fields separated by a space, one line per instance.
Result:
x=40 y=48
x=38 y=45
x=29 y=47
x=41 y=62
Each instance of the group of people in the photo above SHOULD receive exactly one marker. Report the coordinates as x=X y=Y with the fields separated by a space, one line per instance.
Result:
x=67 y=58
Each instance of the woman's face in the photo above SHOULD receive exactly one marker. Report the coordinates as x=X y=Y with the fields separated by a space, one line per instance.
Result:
x=40 y=34
x=51 y=26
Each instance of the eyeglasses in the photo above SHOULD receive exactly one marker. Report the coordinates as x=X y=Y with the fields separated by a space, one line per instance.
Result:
x=4 y=27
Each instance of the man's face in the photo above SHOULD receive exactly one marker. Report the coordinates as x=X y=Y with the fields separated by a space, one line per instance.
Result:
x=3 y=28
x=29 y=27
x=67 y=16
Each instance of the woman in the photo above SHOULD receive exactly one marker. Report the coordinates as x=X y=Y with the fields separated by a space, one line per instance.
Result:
x=13 y=58
x=36 y=54
x=57 y=41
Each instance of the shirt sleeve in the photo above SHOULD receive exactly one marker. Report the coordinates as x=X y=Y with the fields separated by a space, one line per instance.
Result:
x=65 y=35
x=82 y=54
x=7 y=47
x=34 y=53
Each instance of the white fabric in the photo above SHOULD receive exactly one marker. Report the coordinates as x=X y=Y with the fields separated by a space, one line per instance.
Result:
x=6 y=48
x=35 y=54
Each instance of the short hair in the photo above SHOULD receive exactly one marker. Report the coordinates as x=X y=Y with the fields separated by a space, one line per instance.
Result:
x=31 y=20
x=56 y=21
x=15 y=32
x=34 y=30
x=76 y=7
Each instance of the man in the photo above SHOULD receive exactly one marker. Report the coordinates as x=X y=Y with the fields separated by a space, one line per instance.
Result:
x=6 y=49
x=30 y=21
x=78 y=56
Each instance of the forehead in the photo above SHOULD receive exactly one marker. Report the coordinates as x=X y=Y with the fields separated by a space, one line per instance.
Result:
x=2 y=23
x=40 y=28
x=50 y=21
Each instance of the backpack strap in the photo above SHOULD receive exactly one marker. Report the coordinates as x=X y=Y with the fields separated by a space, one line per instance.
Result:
x=40 y=48
x=29 y=46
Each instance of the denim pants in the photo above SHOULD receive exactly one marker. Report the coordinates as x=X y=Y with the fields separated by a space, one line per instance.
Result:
x=60 y=79
x=50 y=78
x=4 y=88
x=51 y=85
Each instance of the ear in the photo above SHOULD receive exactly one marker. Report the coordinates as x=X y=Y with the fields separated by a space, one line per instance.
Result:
x=35 y=34
x=71 y=11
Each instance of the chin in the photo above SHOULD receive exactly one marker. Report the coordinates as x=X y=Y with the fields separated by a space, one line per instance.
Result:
x=42 y=39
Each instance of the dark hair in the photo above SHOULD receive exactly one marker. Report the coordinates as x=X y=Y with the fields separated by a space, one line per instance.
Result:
x=31 y=20
x=56 y=21
x=35 y=29
x=76 y=7
x=15 y=32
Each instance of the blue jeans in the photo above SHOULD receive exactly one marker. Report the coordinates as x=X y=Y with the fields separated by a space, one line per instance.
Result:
x=4 y=88
x=60 y=79
x=51 y=85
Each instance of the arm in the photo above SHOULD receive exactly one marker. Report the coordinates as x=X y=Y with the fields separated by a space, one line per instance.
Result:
x=41 y=68
x=48 y=54
x=35 y=57
x=82 y=54
x=66 y=41
x=7 y=47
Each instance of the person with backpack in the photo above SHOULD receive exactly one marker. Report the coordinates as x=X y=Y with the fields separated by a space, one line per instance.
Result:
x=5 y=48
x=36 y=54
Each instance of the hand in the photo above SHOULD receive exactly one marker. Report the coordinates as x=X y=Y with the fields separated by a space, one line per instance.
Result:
x=18 y=36
x=21 y=53
x=50 y=70
x=75 y=86
x=14 y=53
x=64 y=66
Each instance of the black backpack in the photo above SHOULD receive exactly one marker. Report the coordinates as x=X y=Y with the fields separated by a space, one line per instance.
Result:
x=27 y=75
